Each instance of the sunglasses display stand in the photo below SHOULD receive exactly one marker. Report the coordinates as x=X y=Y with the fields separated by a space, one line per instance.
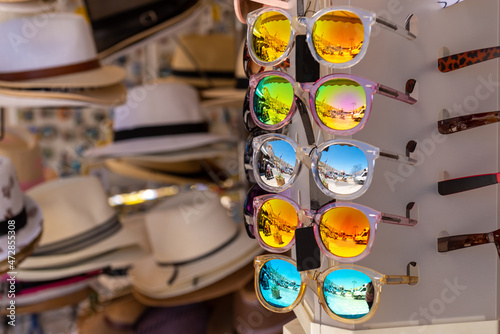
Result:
x=457 y=291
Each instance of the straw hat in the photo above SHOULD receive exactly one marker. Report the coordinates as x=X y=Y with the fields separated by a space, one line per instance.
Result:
x=109 y=96
x=204 y=61
x=22 y=148
x=194 y=244
x=161 y=118
x=29 y=293
x=19 y=210
x=52 y=52
x=58 y=302
x=227 y=285
x=80 y=225
x=118 y=26
x=117 y=259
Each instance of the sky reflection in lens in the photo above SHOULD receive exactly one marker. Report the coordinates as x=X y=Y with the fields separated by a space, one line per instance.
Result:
x=279 y=283
x=345 y=292
x=342 y=168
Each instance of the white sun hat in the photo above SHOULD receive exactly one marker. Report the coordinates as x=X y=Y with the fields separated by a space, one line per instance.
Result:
x=20 y=211
x=79 y=224
x=194 y=244
x=158 y=118
x=54 y=51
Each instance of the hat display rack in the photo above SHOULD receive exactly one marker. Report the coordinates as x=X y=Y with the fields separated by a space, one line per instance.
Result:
x=449 y=295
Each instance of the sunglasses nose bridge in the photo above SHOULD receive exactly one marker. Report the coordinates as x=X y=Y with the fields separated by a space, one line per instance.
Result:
x=299 y=24
x=306 y=215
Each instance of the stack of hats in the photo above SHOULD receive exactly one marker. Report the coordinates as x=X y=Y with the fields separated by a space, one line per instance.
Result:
x=50 y=58
x=83 y=237
x=20 y=220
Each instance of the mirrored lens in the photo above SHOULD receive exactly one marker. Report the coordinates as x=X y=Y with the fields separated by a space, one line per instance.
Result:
x=345 y=231
x=338 y=36
x=279 y=283
x=342 y=168
x=270 y=36
x=276 y=162
x=340 y=104
x=273 y=99
x=348 y=293
x=277 y=221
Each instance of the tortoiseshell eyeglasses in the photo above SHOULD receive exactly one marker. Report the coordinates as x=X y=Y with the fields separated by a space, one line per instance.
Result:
x=446 y=244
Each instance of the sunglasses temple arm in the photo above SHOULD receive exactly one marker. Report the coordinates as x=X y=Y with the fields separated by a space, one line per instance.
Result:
x=453 y=186
x=461 y=123
x=397 y=157
x=397 y=220
x=395 y=94
x=401 y=279
x=396 y=28
x=464 y=59
x=446 y=244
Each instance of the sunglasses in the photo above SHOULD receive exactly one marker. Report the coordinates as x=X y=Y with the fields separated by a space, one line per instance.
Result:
x=342 y=168
x=340 y=103
x=337 y=36
x=454 y=242
x=464 y=59
x=462 y=123
x=344 y=231
x=348 y=293
x=453 y=186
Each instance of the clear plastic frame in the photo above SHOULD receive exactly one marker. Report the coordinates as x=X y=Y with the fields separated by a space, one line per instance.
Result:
x=271 y=283
x=342 y=168
x=354 y=50
x=339 y=103
x=344 y=232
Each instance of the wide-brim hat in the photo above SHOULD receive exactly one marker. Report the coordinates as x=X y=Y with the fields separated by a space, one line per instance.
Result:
x=79 y=224
x=54 y=303
x=118 y=259
x=225 y=286
x=52 y=290
x=61 y=54
x=194 y=244
x=204 y=61
x=118 y=31
x=20 y=211
x=23 y=150
x=124 y=168
x=111 y=96
x=159 y=118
